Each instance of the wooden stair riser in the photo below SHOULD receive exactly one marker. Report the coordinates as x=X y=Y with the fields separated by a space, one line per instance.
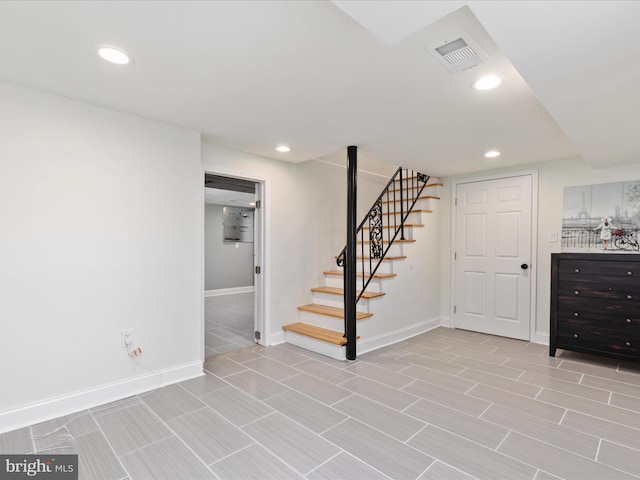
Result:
x=337 y=301
x=395 y=250
x=324 y=321
x=375 y=285
x=339 y=292
x=432 y=184
x=408 y=235
x=423 y=203
x=386 y=266
x=420 y=217
x=411 y=192
x=395 y=226
x=323 y=348
x=378 y=275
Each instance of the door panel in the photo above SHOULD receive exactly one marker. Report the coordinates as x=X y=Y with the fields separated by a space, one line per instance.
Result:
x=475 y=287
x=475 y=244
x=493 y=239
x=506 y=307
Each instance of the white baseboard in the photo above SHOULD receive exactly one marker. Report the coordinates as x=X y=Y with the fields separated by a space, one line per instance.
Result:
x=78 y=401
x=276 y=338
x=229 y=291
x=445 y=322
x=323 y=348
x=542 y=338
x=389 y=338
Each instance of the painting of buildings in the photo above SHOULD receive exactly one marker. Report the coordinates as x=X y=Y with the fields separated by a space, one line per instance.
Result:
x=586 y=207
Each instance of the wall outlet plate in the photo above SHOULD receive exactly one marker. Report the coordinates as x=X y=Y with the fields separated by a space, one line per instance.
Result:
x=123 y=336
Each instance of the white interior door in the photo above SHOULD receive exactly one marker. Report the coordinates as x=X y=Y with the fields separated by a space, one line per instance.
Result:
x=493 y=256
x=258 y=261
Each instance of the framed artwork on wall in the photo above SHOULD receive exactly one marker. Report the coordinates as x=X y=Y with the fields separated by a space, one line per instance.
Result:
x=238 y=224
x=601 y=217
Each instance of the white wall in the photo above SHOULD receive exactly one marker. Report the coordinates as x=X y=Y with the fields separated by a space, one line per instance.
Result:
x=100 y=218
x=226 y=264
x=306 y=214
x=411 y=303
x=553 y=177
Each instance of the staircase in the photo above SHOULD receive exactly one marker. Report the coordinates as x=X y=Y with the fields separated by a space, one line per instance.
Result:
x=382 y=237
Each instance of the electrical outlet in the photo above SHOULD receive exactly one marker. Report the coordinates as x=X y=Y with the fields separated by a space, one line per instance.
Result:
x=126 y=335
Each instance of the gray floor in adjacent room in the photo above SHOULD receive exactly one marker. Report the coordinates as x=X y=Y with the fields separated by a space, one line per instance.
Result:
x=228 y=322
x=447 y=404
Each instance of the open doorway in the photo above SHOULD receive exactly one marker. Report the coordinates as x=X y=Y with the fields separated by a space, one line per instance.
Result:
x=232 y=239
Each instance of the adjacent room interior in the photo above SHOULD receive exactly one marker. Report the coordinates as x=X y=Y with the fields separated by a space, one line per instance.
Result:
x=229 y=264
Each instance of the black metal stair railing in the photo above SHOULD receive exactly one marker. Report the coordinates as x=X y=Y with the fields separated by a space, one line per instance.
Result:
x=384 y=222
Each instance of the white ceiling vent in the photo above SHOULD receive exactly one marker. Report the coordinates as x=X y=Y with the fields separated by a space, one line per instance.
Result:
x=458 y=53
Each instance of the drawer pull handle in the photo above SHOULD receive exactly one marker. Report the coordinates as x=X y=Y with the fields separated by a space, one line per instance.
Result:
x=629 y=273
x=577 y=270
x=629 y=297
x=576 y=314
x=575 y=335
x=576 y=292
x=628 y=320
x=628 y=344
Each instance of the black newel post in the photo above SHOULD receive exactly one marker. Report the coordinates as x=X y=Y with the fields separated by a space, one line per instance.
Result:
x=350 y=257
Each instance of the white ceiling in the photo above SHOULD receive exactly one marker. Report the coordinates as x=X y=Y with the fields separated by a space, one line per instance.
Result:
x=321 y=75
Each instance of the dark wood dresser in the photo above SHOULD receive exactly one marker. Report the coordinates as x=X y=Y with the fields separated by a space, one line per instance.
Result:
x=595 y=304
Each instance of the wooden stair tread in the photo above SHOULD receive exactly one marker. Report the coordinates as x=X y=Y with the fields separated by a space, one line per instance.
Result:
x=331 y=311
x=395 y=241
x=359 y=274
x=324 y=334
x=340 y=291
x=421 y=197
x=416 y=225
x=388 y=258
x=413 y=177
x=415 y=186
x=415 y=210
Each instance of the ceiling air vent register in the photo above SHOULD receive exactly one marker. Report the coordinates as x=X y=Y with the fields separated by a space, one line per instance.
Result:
x=458 y=53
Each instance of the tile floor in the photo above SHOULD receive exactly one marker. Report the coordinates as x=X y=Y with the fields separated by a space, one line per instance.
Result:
x=228 y=322
x=448 y=404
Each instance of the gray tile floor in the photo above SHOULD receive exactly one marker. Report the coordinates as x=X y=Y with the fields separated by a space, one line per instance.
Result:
x=448 y=404
x=228 y=322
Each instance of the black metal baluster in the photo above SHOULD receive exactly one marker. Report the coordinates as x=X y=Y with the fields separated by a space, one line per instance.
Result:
x=401 y=208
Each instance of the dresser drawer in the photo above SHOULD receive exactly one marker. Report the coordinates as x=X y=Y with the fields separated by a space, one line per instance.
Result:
x=620 y=333
x=603 y=294
x=613 y=281
x=598 y=267
x=593 y=341
x=603 y=286
x=623 y=321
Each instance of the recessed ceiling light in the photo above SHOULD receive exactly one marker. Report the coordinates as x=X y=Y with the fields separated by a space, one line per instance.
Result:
x=492 y=154
x=283 y=148
x=114 y=54
x=487 y=82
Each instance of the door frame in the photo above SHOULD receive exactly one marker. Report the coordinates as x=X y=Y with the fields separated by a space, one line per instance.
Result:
x=260 y=249
x=533 y=270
